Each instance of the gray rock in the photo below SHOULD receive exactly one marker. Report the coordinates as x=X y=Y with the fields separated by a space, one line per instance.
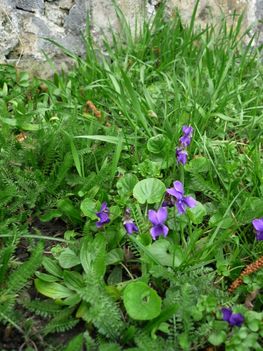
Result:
x=9 y=29
x=75 y=22
x=55 y=14
x=30 y=5
x=65 y=4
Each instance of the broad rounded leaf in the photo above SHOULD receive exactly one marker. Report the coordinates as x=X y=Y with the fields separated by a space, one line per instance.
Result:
x=141 y=302
x=149 y=190
x=126 y=184
x=158 y=144
x=160 y=250
x=217 y=338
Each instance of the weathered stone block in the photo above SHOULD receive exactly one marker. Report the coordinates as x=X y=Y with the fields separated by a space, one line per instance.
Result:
x=9 y=29
x=30 y=5
x=55 y=14
x=77 y=17
x=65 y=4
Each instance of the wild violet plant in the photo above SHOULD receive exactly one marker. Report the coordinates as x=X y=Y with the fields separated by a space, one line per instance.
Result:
x=182 y=202
x=233 y=319
x=128 y=223
x=158 y=218
x=258 y=225
x=103 y=215
x=185 y=140
x=228 y=65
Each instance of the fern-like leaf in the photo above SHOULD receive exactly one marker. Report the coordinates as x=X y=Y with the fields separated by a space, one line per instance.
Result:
x=43 y=308
x=20 y=276
x=206 y=187
x=62 y=322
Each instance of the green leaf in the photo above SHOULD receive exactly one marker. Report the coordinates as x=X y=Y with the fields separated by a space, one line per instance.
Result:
x=105 y=138
x=48 y=216
x=76 y=158
x=217 y=338
x=52 y=267
x=83 y=311
x=178 y=256
x=141 y=301
x=149 y=190
x=46 y=277
x=53 y=290
x=158 y=144
x=89 y=208
x=252 y=208
x=160 y=250
x=68 y=259
x=197 y=213
x=73 y=280
x=67 y=208
x=75 y=344
x=198 y=165
x=92 y=255
x=126 y=184
x=114 y=256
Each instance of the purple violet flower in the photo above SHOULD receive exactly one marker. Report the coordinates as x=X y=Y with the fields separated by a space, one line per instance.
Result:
x=258 y=225
x=233 y=319
x=185 y=140
x=182 y=201
x=181 y=155
x=130 y=226
x=158 y=218
x=103 y=215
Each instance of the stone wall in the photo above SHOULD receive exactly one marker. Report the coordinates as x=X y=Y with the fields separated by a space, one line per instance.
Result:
x=24 y=24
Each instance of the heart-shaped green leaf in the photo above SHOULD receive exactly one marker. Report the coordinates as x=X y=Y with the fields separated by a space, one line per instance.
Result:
x=149 y=190
x=160 y=249
x=158 y=144
x=141 y=301
x=126 y=184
